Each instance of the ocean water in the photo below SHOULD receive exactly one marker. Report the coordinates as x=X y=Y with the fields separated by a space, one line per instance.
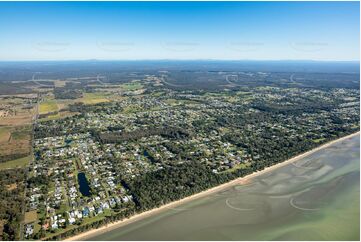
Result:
x=314 y=198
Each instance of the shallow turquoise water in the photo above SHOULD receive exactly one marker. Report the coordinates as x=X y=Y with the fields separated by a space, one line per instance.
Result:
x=315 y=198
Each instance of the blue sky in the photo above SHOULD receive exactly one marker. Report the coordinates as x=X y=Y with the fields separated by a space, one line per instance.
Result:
x=179 y=30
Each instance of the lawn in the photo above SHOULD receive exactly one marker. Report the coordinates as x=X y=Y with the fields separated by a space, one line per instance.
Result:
x=21 y=162
x=63 y=208
x=318 y=140
x=37 y=228
x=106 y=212
x=48 y=106
x=236 y=167
x=172 y=101
x=157 y=94
x=58 y=231
x=30 y=217
x=90 y=220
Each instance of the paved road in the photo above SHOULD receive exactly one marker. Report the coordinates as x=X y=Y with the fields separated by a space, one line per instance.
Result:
x=23 y=209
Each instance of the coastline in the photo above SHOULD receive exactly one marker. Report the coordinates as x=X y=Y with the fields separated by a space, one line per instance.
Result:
x=241 y=180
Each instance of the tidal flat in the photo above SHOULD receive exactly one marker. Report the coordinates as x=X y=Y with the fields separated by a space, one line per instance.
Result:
x=314 y=198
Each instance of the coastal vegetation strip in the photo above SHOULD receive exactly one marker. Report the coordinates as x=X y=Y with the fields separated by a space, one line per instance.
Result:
x=109 y=222
x=113 y=225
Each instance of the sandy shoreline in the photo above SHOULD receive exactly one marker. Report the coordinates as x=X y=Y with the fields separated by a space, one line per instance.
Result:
x=242 y=180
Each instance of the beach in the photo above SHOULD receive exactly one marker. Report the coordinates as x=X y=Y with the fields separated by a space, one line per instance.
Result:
x=238 y=181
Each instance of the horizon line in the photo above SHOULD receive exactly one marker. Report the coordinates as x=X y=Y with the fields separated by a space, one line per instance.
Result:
x=165 y=59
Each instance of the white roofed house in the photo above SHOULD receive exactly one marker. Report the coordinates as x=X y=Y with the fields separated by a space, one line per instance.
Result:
x=29 y=230
x=71 y=220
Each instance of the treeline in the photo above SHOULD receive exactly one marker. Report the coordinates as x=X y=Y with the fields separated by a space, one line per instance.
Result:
x=5 y=158
x=66 y=93
x=171 y=183
x=41 y=132
x=11 y=199
x=86 y=108
x=176 y=182
x=13 y=88
x=266 y=151
x=305 y=107
x=117 y=137
x=45 y=115
x=49 y=128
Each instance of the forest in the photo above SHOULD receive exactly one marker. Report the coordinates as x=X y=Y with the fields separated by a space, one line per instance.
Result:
x=11 y=202
x=116 y=137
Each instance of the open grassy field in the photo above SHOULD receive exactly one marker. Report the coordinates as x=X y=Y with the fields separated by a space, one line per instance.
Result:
x=11 y=187
x=172 y=101
x=22 y=162
x=59 y=231
x=131 y=86
x=175 y=102
x=157 y=94
x=18 y=119
x=15 y=133
x=318 y=140
x=18 y=111
x=18 y=142
x=236 y=167
x=30 y=216
x=4 y=134
x=59 y=83
x=51 y=117
x=132 y=109
x=20 y=133
x=48 y=106
x=94 y=98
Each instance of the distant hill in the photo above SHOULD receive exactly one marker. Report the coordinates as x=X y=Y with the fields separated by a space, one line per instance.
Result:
x=22 y=71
